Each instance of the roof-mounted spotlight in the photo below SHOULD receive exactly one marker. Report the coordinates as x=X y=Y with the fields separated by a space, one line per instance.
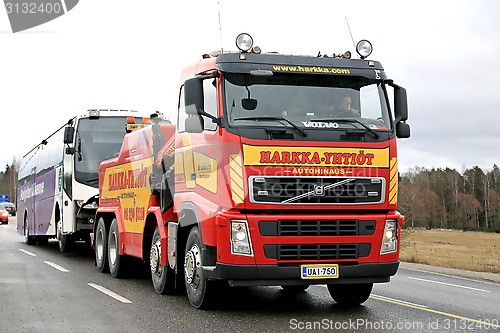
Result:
x=364 y=48
x=244 y=42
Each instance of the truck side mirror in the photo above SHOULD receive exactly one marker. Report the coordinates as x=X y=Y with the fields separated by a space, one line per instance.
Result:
x=402 y=130
x=400 y=104
x=194 y=124
x=193 y=96
x=69 y=132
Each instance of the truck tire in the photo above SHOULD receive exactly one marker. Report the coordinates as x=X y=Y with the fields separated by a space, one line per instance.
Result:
x=199 y=289
x=115 y=260
x=101 y=246
x=163 y=277
x=350 y=294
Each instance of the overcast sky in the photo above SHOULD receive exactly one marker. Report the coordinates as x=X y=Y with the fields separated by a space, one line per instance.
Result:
x=129 y=53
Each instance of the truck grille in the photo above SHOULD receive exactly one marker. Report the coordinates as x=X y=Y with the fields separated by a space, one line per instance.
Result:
x=316 y=228
x=316 y=251
x=316 y=190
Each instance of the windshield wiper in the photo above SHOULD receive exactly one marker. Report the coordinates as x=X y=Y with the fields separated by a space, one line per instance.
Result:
x=300 y=130
x=350 y=120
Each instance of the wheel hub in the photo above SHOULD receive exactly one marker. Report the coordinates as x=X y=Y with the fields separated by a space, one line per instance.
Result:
x=154 y=257
x=192 y=265
x=99 y=244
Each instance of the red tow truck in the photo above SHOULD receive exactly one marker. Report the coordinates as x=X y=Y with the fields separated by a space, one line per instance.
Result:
x=264 y=180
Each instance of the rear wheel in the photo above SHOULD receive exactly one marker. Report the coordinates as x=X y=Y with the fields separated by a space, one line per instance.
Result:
x=350 y=294
x=199 y=289
x=163 y=277
x=101 y=246
x=29 y=240
x=115 y=260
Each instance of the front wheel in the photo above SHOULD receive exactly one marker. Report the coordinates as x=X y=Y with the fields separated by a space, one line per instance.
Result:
x=65 y=241
x=200 y=291
x=350 y=294
x=101 y=246
x=163 y=277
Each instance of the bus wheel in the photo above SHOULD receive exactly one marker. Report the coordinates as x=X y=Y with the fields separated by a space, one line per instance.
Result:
x=64 y=240
x=115 y=260
x=29 y=240
x=200 y=291
x=350 y=294
x=163 y=277
x=295 y=288
x=101 y=246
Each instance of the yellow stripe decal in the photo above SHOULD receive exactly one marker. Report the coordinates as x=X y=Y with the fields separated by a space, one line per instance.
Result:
x=393 y=182
x=236 y=174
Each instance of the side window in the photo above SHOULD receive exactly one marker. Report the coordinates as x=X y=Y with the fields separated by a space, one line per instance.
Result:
x=210 y=102
x=181 y=117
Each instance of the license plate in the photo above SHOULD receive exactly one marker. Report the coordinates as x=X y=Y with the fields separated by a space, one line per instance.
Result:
x=319 y=271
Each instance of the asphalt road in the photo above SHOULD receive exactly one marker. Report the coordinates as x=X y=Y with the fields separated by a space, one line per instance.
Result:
x=43 y=290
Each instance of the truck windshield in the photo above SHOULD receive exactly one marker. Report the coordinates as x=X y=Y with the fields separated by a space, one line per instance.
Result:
x=97 y=140
x=306 y=100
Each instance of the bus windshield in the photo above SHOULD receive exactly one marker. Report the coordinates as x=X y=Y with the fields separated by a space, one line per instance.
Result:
x=96 y=140
x=305 y=100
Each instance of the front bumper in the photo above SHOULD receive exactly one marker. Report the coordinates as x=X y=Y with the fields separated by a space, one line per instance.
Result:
x=273 y=275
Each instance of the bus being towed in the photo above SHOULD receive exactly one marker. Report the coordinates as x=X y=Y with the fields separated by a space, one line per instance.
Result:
x=58 y=181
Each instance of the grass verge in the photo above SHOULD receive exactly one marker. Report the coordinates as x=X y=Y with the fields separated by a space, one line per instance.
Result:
x=472 y=251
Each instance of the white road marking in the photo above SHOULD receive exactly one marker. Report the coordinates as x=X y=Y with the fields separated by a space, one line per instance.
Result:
x=400 y=301
x=448 y=284
x=451 y=276
x=56 y=266
x=28 y=253
x=110 y=293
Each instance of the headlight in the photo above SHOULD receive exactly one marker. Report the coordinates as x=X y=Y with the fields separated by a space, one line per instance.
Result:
x=244 y=42
x=390 y=237
x=4 y=214
x=364 y=48
x=240 y=238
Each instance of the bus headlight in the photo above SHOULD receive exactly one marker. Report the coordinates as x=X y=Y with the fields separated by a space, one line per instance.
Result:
x=390 y=237
x=240 y=238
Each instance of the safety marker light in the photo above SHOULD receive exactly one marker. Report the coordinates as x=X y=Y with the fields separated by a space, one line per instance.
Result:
x=244 y=42
x=94 y=113
x=364 y=48
x=256 y=50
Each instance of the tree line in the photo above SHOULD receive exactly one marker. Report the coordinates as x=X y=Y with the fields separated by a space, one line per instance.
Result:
x=445 y=198
x=8 y=181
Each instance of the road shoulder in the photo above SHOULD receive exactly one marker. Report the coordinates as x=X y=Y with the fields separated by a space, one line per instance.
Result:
x=452 y=271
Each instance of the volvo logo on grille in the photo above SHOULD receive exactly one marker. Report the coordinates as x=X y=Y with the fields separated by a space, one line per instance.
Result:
x=319 y=190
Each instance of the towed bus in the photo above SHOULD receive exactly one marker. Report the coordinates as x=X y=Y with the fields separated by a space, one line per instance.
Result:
x=58 y=179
